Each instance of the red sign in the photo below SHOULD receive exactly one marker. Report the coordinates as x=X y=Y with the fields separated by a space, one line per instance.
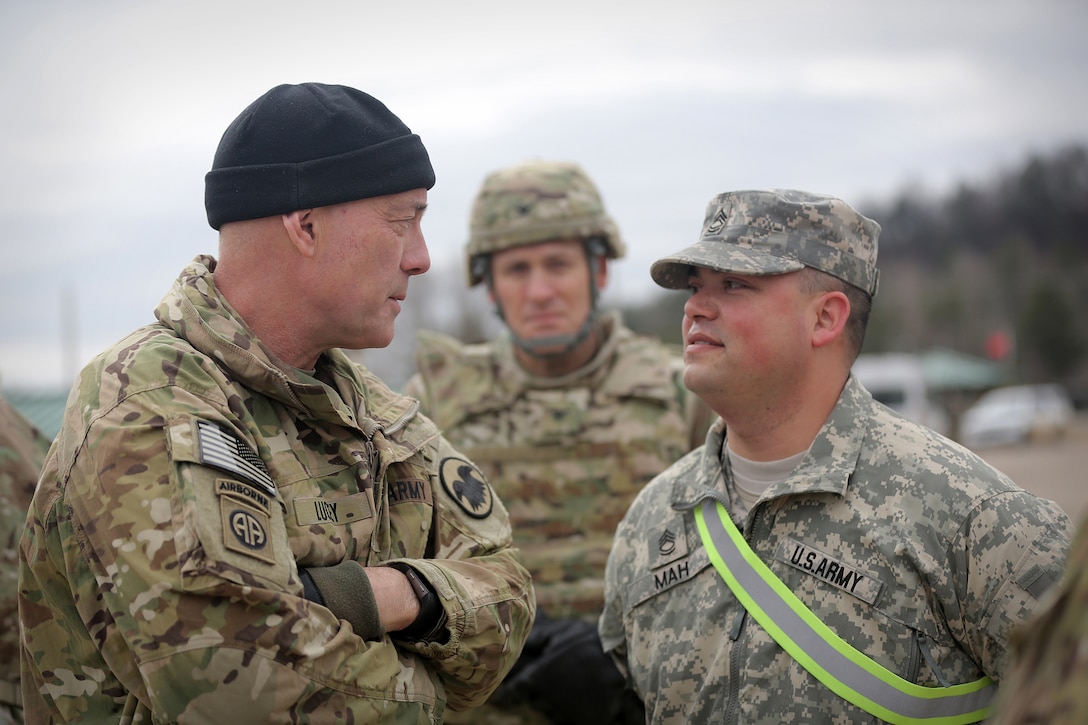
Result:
x=998 y=345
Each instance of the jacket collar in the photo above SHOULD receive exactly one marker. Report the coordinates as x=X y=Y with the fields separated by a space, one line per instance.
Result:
x=339 y=390
x=827 y=467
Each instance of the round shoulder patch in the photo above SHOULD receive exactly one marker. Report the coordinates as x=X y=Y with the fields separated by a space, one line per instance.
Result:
x=467 y=486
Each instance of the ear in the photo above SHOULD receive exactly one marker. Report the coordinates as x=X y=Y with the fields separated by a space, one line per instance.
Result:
x=299 y=226
x=832 y=310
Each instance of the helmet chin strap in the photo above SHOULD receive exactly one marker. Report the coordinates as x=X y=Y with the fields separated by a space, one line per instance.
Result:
x=539 y=347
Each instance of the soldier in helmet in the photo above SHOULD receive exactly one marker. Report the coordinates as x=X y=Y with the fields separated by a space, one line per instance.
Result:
x=821 y=559
x=569 y=414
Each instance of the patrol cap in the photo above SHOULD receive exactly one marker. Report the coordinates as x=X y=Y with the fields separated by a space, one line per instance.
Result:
x=774 y=231
x=310 y=145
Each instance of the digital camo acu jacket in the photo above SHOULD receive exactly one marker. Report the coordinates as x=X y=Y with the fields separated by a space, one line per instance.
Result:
x=567 y=455
x=905 y=544
x=156 y=580
x=1047 y=682
x=22 y=452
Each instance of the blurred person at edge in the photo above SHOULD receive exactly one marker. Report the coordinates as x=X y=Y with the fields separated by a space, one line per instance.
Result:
x=822 y=559
x=1047 y=680
x=568 y=413
x=22 y=452
x=237 y=523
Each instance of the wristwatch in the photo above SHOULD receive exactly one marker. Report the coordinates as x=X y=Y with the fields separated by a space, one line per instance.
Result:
x=428 y=625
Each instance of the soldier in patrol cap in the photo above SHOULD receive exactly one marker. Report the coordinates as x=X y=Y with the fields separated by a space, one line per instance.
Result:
x=237 y=523
x=569 y=414
x=821 y=559
x=22 y=452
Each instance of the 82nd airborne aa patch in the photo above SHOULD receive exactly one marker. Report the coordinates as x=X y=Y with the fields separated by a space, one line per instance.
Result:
x=467 y=486
x=245 y=519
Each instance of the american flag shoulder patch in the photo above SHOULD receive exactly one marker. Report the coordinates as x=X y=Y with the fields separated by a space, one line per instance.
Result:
x=227 y=452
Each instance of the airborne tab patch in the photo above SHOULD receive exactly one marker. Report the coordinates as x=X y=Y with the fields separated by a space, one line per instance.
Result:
x=243 y=490
x=467 y=486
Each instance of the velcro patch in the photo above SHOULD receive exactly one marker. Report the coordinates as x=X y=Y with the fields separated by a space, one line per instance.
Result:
x=245 y=529
x=243 y=490
x=410 y=490
x=343 y=510
x=666 y=543
x=666 y=577
x=225 y=451
x=467 y=486
x=1037 y=581
x=846 y=577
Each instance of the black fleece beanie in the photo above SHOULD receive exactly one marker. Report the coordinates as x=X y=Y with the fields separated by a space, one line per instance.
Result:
x=309 y=145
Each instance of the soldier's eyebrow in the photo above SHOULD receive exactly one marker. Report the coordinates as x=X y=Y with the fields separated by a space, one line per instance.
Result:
x=402 y=207
x=415 y=209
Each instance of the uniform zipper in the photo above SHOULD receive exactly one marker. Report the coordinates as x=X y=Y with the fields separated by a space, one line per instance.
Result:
x=738 y=636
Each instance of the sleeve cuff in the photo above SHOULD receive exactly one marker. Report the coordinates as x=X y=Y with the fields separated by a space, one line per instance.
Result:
x=347 y=593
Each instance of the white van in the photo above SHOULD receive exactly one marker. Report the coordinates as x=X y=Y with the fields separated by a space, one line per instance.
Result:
x=898 y=381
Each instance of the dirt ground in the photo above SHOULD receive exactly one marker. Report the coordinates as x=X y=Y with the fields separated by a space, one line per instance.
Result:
x=1055 y=469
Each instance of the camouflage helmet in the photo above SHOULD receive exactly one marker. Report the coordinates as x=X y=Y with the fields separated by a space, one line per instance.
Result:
x=535 y=202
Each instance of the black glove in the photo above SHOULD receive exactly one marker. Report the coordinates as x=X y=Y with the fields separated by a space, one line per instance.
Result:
x=564 y=673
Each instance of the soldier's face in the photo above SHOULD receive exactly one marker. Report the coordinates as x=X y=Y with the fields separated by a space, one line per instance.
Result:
x=745 y=339
x=544 y=289
x=371 y=248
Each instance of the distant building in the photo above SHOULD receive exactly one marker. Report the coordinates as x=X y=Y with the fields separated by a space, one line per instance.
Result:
x=930 y=388
x=43 y=408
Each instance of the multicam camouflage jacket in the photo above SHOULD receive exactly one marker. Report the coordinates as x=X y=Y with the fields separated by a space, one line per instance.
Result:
x=193 y=476
x=567 y=455
x=22 y=452
x=906 y=545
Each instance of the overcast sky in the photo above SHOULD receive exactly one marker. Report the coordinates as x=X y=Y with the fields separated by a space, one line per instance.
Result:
x=110 y=112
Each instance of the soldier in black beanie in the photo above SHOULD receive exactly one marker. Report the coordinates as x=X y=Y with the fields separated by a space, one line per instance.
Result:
x=311 y=145
x=238 y=522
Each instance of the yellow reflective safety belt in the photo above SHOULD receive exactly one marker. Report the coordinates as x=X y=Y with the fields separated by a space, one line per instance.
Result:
x=847 y=672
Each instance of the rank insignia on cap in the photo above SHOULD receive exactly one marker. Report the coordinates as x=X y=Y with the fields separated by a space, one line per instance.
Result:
x=467 y=486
